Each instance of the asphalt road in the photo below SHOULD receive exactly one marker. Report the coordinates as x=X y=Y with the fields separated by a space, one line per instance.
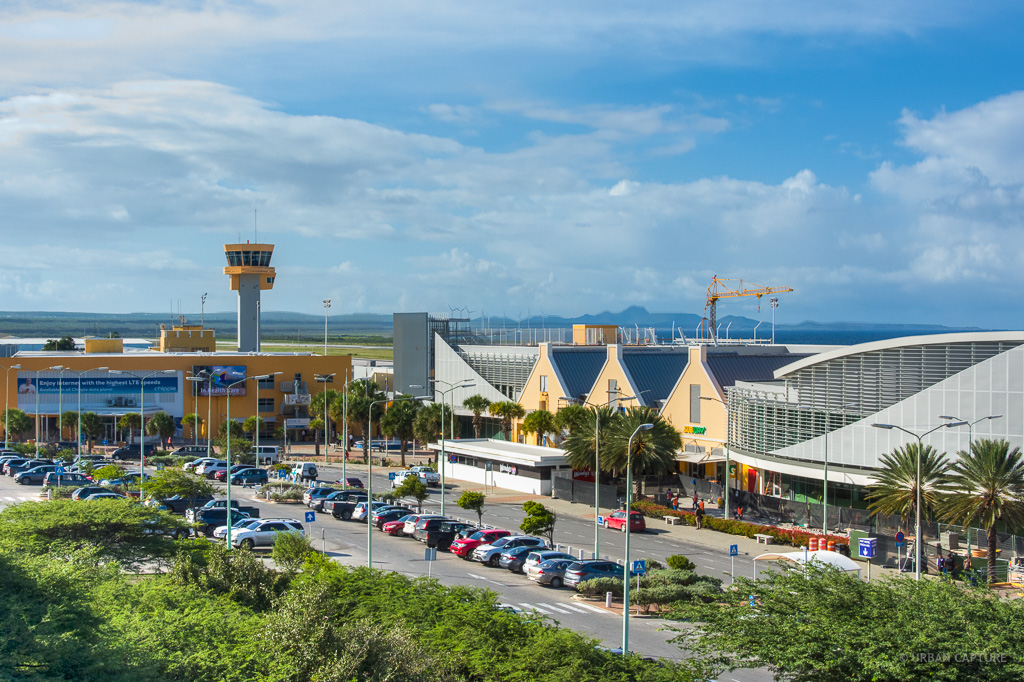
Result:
x=346 y=542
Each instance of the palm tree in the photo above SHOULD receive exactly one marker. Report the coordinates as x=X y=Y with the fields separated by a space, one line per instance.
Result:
x=129 y=422
x=361 y=394
x=654 y=451
x=191 y=420
x=477 y=404
x=572 y=417
x=428 y=421
x=92 y=427
x=399 y=421
x=161 y=425
x=506 y=411
x=540 y=422
x=895 y=494
x=579 y=446
x=985 y=486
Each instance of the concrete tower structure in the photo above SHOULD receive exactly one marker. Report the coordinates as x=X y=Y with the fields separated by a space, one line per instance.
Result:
x=250 y=273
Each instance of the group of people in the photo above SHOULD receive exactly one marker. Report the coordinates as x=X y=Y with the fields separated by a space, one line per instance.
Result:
x=698 y=505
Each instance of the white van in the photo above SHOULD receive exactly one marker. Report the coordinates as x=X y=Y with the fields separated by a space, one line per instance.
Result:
x=267 y=454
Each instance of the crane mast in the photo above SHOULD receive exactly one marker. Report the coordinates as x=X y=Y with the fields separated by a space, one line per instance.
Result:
x=719 y=288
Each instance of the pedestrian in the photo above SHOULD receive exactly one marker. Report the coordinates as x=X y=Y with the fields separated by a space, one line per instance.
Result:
x=700 y=505
x=951 y=565
x=695 y=500
x=668 y=497
x=700 y=517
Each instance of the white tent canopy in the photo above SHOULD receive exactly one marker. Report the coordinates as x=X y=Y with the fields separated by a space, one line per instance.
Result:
x=821 y=556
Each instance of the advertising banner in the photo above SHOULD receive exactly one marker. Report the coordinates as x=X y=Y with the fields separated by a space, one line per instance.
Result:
x=29 y=385
x=222 y=377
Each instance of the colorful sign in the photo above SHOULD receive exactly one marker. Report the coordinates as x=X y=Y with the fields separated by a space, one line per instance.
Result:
x=221 y=376
x=695 y=430
x=29 y=385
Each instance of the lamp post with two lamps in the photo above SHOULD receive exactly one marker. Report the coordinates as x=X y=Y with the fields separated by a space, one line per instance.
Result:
x=629 y=522
x=452 y=385
x=326 y=379
x=369 y=477
x=728 y=474
x=78 y=435
x=970 y=425
x=207 y=376
x=327 y=306
x=60 y=369
x=917 y=484
x=7 y=404
x=259 y=420
x=142 y=413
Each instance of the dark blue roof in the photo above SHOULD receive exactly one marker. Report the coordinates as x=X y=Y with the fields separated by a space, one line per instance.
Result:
x=728 y=368
x=655 y=373
x=579 y=368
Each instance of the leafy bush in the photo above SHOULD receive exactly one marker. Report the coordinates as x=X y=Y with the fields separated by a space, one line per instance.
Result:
x=280 y=487
x=169 y=460
x=109 y=471
x=657 y=595
x=62 y=492
x=672 y=576
x=703 y=591
x=291 y=550
x=291 y=494
x=599 y=586
x=680 y=562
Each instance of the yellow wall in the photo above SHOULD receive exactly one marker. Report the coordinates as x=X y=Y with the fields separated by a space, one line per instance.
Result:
x=712 y=413
x=188 y=339
x=613 y=369
x=591 y=334
x=103 y=346
x=532 y=398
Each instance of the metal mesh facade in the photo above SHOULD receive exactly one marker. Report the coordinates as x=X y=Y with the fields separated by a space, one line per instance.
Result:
x=507 y=372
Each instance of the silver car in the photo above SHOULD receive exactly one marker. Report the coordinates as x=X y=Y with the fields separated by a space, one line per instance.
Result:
x=535 y=558
x=550 y=572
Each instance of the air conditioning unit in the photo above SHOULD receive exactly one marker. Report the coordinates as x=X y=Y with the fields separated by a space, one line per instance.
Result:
x=119 y=402
x=129 y=402
x=111 y=402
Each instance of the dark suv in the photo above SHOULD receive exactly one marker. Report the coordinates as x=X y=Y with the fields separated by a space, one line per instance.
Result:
x=439 y=532
x=132 y=452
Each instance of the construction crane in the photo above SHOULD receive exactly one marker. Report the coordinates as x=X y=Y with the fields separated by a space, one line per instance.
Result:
x=719 y=289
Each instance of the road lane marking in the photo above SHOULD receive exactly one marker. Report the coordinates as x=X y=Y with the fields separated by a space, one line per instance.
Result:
x=532 y=607
x=592 y=608
x=480 y=577
x=573 y=608
x=554 y=608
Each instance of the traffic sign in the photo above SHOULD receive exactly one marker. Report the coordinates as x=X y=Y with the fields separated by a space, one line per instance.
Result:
x=866 y=547
x=391 y=475
x=310 y=517
x=430 y=554
x=734 y=550
x=900 y=537
x=752 y=600
x=59 y=469
x=639 y=567
x=600 y=520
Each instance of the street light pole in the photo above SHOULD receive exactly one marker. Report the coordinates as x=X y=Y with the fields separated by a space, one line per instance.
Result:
x=629 y=522
x=37 y=413
x=142 y=416
x=369 y=479
x=7 y=404
x=327 y=306
x=259 y=420
x=326 y=379
x=970 y=425
x=728 y=422
x=60 y=369
x=78 y=435
x=465 y=383
x=917 y=485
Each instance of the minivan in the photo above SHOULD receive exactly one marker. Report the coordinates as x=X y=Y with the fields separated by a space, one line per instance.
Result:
x=267 y=454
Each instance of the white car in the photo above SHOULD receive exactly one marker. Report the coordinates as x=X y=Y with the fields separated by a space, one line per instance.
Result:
x=221 y=531
x=195 y=464
x=359 y=512
x=409 y=529
x=534 y=558
x=208 y=466
x=490 y=554
x=263 y=534
x=400 y=478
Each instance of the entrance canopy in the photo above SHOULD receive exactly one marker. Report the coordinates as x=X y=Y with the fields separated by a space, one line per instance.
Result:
x=822 y=557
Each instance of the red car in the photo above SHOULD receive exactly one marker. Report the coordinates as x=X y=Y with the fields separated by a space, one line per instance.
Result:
x=395 y=527
x=617 y=521
x=464 y=547
x=222 y=475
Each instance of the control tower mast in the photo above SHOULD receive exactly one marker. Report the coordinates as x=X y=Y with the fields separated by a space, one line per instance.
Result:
x=250 y=273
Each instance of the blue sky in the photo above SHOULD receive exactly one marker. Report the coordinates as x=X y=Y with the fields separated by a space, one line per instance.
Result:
x=556 y=158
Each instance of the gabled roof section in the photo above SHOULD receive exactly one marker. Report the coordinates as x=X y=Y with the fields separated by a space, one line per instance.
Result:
x=578 y=367
x=655 y=373
x=728 y=368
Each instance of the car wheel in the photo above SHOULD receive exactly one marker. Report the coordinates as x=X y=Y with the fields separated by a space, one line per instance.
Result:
x=346 y=515
x=248 y=543
x=21 y=481
x=556 y=582
x=623 y=528
x=493 y=561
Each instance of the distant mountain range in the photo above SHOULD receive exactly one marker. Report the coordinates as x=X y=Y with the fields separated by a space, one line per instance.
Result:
x=296 y=326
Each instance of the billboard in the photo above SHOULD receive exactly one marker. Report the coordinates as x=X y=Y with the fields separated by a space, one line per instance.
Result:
x=30 y=386
x=222 y=377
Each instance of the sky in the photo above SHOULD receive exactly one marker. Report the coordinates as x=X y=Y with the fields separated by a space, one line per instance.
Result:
x=517 y=158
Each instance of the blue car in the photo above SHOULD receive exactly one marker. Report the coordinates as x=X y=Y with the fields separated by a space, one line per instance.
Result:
x=250 y=477
x=579 y=571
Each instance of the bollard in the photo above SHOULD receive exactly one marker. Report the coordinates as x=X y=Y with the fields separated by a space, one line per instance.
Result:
x=581 y=555
x=558 y=547
x=607 y=600
x=593 y=555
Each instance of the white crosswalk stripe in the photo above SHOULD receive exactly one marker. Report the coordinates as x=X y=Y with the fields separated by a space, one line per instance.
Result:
x=592 y=608
x=531 y=607
x=562 y=608
x=555 y=608
x=573 y=608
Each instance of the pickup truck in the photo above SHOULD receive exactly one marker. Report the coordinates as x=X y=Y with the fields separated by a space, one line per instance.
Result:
x=179 y=504
x=427 y=475
x=341 y=506
x=191 y=514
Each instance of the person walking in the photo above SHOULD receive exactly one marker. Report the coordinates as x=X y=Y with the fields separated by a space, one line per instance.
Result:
x=700 y=517
x=695 y=500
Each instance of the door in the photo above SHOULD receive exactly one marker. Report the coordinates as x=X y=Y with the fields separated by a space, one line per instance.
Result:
x=751 y=481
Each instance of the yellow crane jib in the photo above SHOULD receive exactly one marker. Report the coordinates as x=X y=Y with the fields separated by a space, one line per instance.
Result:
x=719 y=288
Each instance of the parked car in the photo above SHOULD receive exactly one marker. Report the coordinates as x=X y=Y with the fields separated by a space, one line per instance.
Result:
x=441 y=533
x=35 y=475
x=617 y=521
x=126 y=452
x=537 y=556
x=400 y=477
x=86 y=491
x=513 y=559
x=210 y=470
x=550 y=572
x=223 y=474
x=427 y=475
x=194 y=513
x=178 y=504
x=65 y=479
x=194 y=450
x=352 y=482
x=362 y=509
x=194 y=464
x=410 y=525
x=105 y=495
x=578 y=571
x=206 y=520
x=131 y=478
x=317 y=493
x=13 y=461
x=395 y=527
x=263 y=534
x=247 y=477
x=463 y=547
x=490 y=553
x=381 y=517
x=15 y=469
x=267 y=454
x=343 y=504
x=221 y=531
x=305 y=471
x=92 y=459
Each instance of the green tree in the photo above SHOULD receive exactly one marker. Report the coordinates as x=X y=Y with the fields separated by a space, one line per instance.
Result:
x=412 y=486
x=170 y=482
x=162 y=425
x=316 y=425
x=118 y=530
x=129 y=422
x=427 y=425
x=18 y=422
x=540 y=422
x=316 y=409
x=291 y=551
x=63 y=343
x=539 y=520
x=108 y=471
x=241 y=447
x=895 y=493
x=400 y=421
x=477 y=404
x=507 y=411
x=572 y=417
x=192 y=421
x=473 y=500
x=579 y=446
x=251 y=425
x=986 y=486
x=361 y=395
x=654 y=451
x=68 y=420
x=92 y=427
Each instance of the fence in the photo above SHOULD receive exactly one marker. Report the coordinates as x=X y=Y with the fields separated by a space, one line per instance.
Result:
x=582 y=492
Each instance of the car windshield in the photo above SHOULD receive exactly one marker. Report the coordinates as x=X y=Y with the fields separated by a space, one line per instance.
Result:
x=479 y=535
x=575 y=566
x=501 y=542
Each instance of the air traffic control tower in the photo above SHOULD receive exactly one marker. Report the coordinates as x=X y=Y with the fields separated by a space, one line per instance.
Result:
x=250 y=272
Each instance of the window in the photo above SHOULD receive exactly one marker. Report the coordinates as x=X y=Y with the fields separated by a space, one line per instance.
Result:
x=695 y=403
x=613 y=394
x=266 y=383
x=266 y=404
x=544 y=383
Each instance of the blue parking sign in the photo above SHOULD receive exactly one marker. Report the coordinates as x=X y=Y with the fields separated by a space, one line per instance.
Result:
x=866 y=547
x=310 y=517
